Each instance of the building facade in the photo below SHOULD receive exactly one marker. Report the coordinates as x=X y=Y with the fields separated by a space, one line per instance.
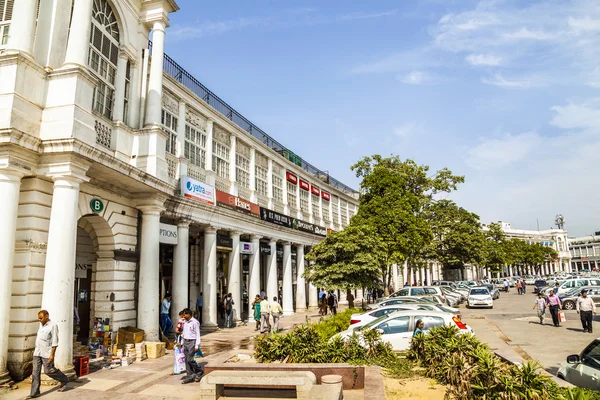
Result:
x=585 y=252
x=123 y=178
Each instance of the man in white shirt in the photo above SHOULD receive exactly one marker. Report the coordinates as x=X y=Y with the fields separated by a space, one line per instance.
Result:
x=585 y=308
x=191 y=344
x=276 y=312
x=265 y=312
x=165 y=318
x=46 y=343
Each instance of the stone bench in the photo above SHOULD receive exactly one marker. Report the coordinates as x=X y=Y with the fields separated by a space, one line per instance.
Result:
x=212 y=385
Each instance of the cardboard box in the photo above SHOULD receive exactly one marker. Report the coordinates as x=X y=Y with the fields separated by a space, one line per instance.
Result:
x=130 y=334
x=155 y=349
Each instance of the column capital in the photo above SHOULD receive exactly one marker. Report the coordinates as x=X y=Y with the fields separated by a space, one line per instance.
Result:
x=211 y=230
x=66 y=170
x=255 y=237
x=272 y=241
x=10 y=175
x=150 y=204
x=287 y=243
x=234 y=233
x=184 y=223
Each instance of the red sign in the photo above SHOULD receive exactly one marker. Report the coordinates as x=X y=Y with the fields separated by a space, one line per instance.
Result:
x=325 y=195
x=236 y=203
x=315 y=190
x=291 y=177
x=304 y=185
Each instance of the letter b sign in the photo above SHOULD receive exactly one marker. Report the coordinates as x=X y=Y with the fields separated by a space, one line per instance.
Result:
x=97 y=205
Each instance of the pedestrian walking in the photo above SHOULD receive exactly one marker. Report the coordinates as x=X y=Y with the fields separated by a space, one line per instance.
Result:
x=322 y=302
x=540 y=304
x=265 y=312
x=332 y=302
x=46 y=343
x=228 y=304
x=585 y=308
x=368 y=296
x=191 y=344
x=406 y=284
x=523 y=287
x=506 y=285
x=350 y=299
x=220 y=308
x=263 y=294
x=276 y=313
x=553 y=302
x=518 y=285
x=165 y=318
x=256 y=308
x=199 y=304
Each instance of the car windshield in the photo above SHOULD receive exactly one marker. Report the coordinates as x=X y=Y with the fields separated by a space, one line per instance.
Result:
x=445 y=309
x=479 y=291
x=541 y=282
x=372 y=323
x=427 y=299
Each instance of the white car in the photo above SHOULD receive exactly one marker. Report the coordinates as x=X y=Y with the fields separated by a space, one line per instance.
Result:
x=480 y=297
x=358 y=320
x=397 y=328
x=401 y=300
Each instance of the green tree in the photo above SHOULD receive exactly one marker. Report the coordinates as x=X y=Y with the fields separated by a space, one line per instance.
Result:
x=394 y=201
x=496 y=248
x=457 y=236
x=349 y=259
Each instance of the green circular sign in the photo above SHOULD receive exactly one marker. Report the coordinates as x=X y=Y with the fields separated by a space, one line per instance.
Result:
x=96 y=205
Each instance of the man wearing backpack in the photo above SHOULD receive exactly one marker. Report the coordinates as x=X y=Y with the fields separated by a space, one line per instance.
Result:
x=228 y=306
x=332 y=302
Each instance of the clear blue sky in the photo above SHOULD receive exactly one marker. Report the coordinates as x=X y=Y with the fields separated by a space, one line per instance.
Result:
x=503 y=92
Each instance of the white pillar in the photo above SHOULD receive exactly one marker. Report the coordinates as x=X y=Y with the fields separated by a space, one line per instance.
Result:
x=313 y=296
x=79 y=35
x=118 y=110
x=234 y=278
x=272 y=270
x=59 y=271
x=253 y=273
x=288 y=287
x=310 y=218
x=181 y=270
x=148 y=281
x=22 y=27
x=154 y=96
x=270 y=190
x=232 y=163
x=209 y=145
x=10 y=182
x=252 y=185
x=300 y=281
x=209 y=275
x=395 y=278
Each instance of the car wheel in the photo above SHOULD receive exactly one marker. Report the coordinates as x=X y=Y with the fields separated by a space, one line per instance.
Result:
x=491 y=307
x=569 y=305
x=561 y=377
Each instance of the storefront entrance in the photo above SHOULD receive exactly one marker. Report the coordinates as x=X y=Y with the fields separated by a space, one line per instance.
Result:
x=85 y=258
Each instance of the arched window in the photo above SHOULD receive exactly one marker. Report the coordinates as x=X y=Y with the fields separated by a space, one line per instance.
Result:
x=104 y=53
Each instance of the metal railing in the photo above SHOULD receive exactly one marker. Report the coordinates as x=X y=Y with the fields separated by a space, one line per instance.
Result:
x=187 y=80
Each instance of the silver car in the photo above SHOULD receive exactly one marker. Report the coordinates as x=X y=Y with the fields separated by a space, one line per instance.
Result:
x=583 y=369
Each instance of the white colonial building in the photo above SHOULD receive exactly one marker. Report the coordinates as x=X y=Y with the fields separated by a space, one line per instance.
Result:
x=123 y=177
x=585 y=252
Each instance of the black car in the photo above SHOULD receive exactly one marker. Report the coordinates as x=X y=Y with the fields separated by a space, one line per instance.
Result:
x=539 y=284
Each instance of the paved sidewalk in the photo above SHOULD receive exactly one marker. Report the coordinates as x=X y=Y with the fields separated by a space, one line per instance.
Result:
x=153 y=379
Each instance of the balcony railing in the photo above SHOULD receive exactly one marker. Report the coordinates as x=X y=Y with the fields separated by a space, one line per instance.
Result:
x=187 y=80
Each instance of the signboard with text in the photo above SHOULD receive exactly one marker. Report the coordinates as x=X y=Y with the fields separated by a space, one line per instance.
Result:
x=310 y=228
x=325 y=196
x=167 y=234
x=291 y=177
x=304 y=185
x=236 y=203
x=315 y=190
x=193 y=189
x=275 y=218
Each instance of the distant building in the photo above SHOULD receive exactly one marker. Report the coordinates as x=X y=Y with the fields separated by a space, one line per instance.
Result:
x=585 y=252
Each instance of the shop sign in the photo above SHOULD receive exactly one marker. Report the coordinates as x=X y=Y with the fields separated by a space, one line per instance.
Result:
x=310 y=228
x=246 y=248
x=236 y=203
x=291 y=177
x=315 y=190
x=224 y=243
x=325 y=196
x=275 y=218
x=265 y=248
x=81 y=270
x=96 y=205
x=197 y=190
x=304 y=185
x=167 y=234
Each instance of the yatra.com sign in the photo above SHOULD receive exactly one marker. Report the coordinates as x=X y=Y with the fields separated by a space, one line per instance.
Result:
x=197 y=190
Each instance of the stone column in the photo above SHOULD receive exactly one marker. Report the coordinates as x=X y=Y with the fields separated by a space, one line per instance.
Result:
x=181 y=270
x=79 y=35
x=209 y=276
x=59 y=271
x=22 y=27
x=154 y=96
x=395 y=281
x=272 y=270
x=10 y=183
x=288 y=287
x=233 y=280
x=149 y=279
x=253 y=273
x=313 y=296
x=118 y=110
x=300 y=281
x=310 y=218
x=252 y=182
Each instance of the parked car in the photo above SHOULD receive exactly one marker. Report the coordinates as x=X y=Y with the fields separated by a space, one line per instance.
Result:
x=569 y=302
x=418 y=291
x=397 y=328
x=539 y=284
x=494 y=292
x=480 y=296
x=529 y=279
x=574 y=283
x=583 y=369
x=398 y=301
x=443 y=283
x=447 y=290
x=358 y=320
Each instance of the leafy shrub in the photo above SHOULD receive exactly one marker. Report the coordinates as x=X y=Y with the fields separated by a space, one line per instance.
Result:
x=313 y=343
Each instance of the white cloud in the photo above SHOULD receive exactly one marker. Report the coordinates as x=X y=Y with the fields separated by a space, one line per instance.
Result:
x=584 y=116
x=498 y=80
x=210 y=28
x=502 y=151
x=362 y=15
x=414 y=78
x=408 y=130
x=525 y=33
x=586 y=24
x=483 y=59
